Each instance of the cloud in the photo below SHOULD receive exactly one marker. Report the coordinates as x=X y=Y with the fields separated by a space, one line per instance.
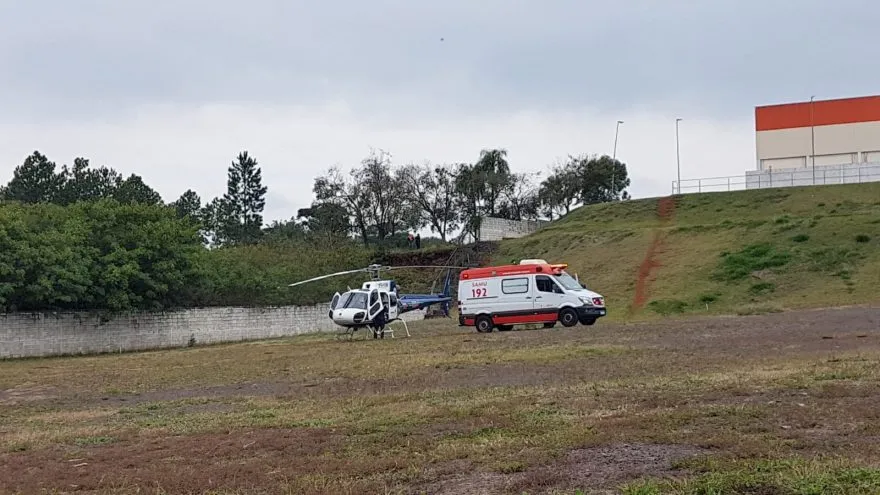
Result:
x=174 y=90
x=179 y=148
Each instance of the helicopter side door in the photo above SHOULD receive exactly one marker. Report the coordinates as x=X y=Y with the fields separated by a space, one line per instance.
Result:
x=334 y=301
x=375 y=304
x=393 y=308
x=386 y=302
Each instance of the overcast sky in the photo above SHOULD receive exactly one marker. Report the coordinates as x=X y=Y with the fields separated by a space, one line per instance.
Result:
x=173 y=90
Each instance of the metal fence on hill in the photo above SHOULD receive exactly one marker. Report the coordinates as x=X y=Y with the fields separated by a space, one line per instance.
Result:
x=760 y=179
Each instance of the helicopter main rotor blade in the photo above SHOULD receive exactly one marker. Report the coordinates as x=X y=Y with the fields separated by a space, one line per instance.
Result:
x=374 y=268
x=428 y=266
x=359 y=270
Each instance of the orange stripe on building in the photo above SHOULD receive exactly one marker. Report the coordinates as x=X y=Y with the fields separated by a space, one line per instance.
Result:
x=825 y=112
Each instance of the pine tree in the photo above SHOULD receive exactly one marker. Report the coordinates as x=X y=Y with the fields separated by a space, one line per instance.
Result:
x=245 y=196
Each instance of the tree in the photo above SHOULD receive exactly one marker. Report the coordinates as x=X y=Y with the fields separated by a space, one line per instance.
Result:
x=432 y=191
x=390 y=210
x=559 y=192
x=236 y=218
x=594 y=179
x=283 y=232
x=82 y=183
x=325 y=220
x=35 y=181
x=246 y=194
x=469 y=188
x=494 y=170
x=374 y=196
x=134 y=190
x=520 y=200
x=98 y=255
x=335 y=188
x=219 y=221
x=189 y=204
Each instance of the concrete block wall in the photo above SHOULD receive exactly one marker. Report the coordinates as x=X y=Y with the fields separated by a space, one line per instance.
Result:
x=41 y=335
x=496 y=229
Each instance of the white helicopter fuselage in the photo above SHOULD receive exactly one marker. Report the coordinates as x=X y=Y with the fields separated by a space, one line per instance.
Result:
x=360 y=307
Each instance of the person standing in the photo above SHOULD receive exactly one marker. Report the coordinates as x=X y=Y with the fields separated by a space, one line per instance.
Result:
x=418 y=241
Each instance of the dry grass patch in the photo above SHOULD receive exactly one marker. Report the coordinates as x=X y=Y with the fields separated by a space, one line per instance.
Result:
x=451 y=411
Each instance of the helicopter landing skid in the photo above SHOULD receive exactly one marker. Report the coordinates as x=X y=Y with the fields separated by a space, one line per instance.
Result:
x=347 y=333
x=389 y=329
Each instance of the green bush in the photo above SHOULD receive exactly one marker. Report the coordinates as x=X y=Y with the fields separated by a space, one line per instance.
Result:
x=668 y=307
x=113 y=257
x=762 y=288
x=99 y=255
x=736 y=266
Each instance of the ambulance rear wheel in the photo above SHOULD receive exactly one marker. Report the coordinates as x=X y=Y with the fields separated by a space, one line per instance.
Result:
x=483 y=324
x=568 y=317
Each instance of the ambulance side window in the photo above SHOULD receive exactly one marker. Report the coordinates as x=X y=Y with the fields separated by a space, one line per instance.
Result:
x=515 y=285
x=545 y=284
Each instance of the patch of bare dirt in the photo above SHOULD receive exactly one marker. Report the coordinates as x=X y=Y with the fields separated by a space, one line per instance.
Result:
x=607 y=466
x=25 y=393
x=259 y=459
x=592 y=468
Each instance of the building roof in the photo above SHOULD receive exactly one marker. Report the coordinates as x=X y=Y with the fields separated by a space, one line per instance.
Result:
x=817 y=113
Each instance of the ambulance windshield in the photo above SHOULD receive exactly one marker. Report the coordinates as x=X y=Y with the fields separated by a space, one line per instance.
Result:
x=568 y=282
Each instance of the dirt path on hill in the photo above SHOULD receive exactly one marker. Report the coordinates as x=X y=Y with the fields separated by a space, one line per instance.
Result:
x=666 y=212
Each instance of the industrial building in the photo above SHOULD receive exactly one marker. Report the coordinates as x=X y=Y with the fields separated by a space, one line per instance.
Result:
x=817 y=142
x=813 y=142
x=842 y=132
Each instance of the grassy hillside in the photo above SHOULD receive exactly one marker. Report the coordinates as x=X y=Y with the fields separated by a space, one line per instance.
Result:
x=741 y=252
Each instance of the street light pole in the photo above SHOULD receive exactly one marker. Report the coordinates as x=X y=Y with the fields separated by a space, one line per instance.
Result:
x=616 y=131
x=813 y=140
x=614 y=157
x=677 y=155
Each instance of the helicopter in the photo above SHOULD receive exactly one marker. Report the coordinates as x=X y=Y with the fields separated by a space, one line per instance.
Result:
x=378 y=302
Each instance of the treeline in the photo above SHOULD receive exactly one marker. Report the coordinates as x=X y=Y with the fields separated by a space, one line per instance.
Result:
x=87 y=238
x=376 y=201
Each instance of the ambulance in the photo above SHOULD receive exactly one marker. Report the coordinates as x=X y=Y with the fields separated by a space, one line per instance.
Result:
x=533 y=291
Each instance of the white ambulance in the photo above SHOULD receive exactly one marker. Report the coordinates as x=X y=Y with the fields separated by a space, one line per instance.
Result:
x=532 y=291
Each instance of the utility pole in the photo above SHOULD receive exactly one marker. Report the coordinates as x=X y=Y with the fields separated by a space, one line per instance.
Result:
x=677 y=155
x=614 y=157
x=812 y=140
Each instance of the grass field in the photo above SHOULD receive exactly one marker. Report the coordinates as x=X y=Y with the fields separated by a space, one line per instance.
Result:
x=663 y=396
x=743 y=252
x=774 y=404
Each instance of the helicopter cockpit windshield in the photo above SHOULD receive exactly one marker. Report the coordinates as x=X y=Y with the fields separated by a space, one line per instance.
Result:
x=355 y=300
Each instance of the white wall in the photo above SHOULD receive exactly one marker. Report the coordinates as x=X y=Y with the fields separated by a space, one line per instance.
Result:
x=835 y=145
x=496 y=229
x=38 y=335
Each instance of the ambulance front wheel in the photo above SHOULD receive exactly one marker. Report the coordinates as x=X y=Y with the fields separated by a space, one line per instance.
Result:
x=568 y=317
x=484 y=324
